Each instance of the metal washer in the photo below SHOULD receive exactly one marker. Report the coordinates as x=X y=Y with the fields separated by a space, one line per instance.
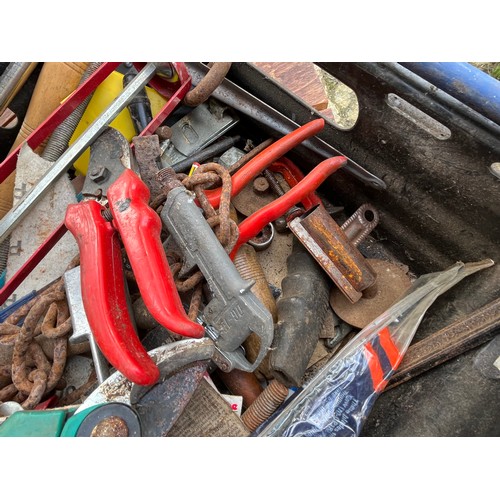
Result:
x=120 y=410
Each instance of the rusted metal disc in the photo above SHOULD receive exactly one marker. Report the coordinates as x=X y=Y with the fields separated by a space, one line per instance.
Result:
x=247 y=201
x=391 y=283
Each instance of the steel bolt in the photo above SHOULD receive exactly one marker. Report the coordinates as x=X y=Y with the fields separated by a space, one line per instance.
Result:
x=273 y=182
x=260 y=185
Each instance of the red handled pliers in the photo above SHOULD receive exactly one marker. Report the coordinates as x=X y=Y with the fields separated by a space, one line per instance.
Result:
x=302 y=190
x=111 y=179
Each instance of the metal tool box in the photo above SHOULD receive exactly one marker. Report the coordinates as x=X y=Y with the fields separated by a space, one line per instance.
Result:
x=434 y=152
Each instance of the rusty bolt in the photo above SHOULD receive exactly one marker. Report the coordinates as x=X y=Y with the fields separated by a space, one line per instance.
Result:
x=260 y=185
x=164 y=133
x=265 y=404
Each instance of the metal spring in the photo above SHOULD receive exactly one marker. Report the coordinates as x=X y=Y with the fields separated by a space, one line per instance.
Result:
x=59 y=139
x=265 y=405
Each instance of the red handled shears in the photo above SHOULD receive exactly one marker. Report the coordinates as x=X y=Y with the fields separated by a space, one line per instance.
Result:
x=303 y=190
x=115 y=208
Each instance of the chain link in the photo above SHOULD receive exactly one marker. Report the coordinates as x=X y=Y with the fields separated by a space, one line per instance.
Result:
x=32 y=375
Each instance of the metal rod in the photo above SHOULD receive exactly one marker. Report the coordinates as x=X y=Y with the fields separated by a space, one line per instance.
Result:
x=244 y=102
x=206 y=153
x=17 y=213
x=451 y=341
x=12 y=79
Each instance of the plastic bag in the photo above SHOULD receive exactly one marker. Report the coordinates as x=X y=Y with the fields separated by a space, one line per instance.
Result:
x=338 y=399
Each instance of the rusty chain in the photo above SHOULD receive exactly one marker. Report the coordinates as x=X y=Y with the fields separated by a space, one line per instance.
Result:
x=32 y=375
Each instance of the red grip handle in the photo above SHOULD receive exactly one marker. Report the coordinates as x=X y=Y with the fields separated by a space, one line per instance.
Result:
x=272 y=153
x=103 y=293
x=253 y=224
x=140 y=227
x=293 y=175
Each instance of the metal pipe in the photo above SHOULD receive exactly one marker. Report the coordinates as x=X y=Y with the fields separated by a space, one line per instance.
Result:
x=206 y=153
x=12 y=80
x=464 y=82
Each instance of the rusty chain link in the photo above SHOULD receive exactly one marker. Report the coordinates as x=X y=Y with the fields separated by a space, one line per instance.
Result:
x=33 y=376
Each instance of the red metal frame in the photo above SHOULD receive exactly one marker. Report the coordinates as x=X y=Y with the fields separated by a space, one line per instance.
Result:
x=175 y=92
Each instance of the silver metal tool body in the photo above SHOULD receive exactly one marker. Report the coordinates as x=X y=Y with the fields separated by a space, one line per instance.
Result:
x=81 y=327
x=235 y=311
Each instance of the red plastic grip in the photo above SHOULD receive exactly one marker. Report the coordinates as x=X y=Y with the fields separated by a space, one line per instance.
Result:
x=103 y=293
x=140 y=227
x=253 y=224
x=293 y=175
x=257 y=164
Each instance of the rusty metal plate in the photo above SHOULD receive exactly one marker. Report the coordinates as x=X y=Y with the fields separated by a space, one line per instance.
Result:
x=247 y=201
x=392 y=282
x=331 y=248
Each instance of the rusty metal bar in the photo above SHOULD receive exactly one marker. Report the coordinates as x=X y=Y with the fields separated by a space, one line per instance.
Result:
x=329 y=245
x=453 y=340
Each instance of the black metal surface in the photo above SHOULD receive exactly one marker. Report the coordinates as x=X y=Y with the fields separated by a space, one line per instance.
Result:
x=441 y=205
x=487 y=360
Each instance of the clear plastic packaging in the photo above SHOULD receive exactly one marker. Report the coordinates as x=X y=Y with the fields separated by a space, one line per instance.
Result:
x=338 y=399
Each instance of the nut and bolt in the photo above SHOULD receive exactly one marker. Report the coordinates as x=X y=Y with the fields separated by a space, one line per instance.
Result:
x=99 y=174
x=260 y=185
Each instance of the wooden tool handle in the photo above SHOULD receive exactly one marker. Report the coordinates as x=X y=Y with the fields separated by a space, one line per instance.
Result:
x=55 y=82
